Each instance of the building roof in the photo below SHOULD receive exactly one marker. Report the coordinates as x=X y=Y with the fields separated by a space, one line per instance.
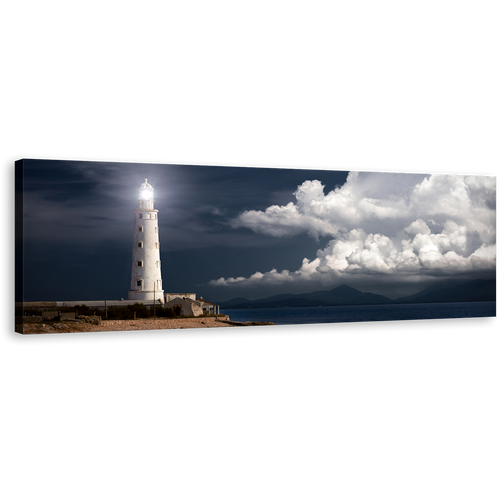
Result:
x=190 y=300
x=207 y=302
x=187 y=299
x=182 y=295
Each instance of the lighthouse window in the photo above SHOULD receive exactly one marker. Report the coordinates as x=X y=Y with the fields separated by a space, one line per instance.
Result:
x=140 y=216
x=141 y=229
x=139 y=284
x=139 y=244
x=157 y=245
x=139 y=263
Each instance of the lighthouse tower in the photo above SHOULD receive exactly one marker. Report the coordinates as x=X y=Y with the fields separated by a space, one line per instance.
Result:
x=146 y=282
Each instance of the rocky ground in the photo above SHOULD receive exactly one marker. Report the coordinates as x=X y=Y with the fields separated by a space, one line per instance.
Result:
x=123 y=325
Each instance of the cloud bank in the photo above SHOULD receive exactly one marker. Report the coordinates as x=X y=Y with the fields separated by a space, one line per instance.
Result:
x=383 y=224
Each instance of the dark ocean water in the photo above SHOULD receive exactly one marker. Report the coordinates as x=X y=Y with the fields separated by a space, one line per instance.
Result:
x=347 y=314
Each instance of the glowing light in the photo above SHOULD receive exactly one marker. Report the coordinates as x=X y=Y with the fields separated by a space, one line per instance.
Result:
x=145 y=194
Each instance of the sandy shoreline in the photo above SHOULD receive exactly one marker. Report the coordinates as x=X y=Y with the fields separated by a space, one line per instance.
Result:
x=125 y=325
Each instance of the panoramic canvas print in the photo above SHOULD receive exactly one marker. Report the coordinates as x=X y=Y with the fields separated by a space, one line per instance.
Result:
x=103 y=246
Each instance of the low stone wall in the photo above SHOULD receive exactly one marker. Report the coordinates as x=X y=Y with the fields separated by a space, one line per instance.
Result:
x=48 y=315
x=28 y=319
x=67 y=315
x=35 y=305
x=64 y=316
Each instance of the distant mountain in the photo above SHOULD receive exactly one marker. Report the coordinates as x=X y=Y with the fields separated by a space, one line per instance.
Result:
x=238 y=301
x=444 y=291
x=276 y=298
x=450 y=291
x=370 y=298
x=341 y=295
x=445 y=283
x=291 y=302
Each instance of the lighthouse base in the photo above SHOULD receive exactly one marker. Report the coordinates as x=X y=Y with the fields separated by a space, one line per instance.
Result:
x=147 y=296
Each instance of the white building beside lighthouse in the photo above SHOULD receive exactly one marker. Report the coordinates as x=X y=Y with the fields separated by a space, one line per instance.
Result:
x=146 y=283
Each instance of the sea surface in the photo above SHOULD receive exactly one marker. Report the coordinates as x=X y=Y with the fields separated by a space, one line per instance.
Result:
x=347 y=314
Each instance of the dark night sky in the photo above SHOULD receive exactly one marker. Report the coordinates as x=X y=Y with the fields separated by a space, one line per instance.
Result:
x=224 y=229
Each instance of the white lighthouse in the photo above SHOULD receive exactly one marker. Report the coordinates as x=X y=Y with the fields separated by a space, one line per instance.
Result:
x=146 y=284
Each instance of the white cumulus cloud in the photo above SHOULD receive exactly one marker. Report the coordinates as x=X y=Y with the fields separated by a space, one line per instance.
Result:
x=383 y=224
